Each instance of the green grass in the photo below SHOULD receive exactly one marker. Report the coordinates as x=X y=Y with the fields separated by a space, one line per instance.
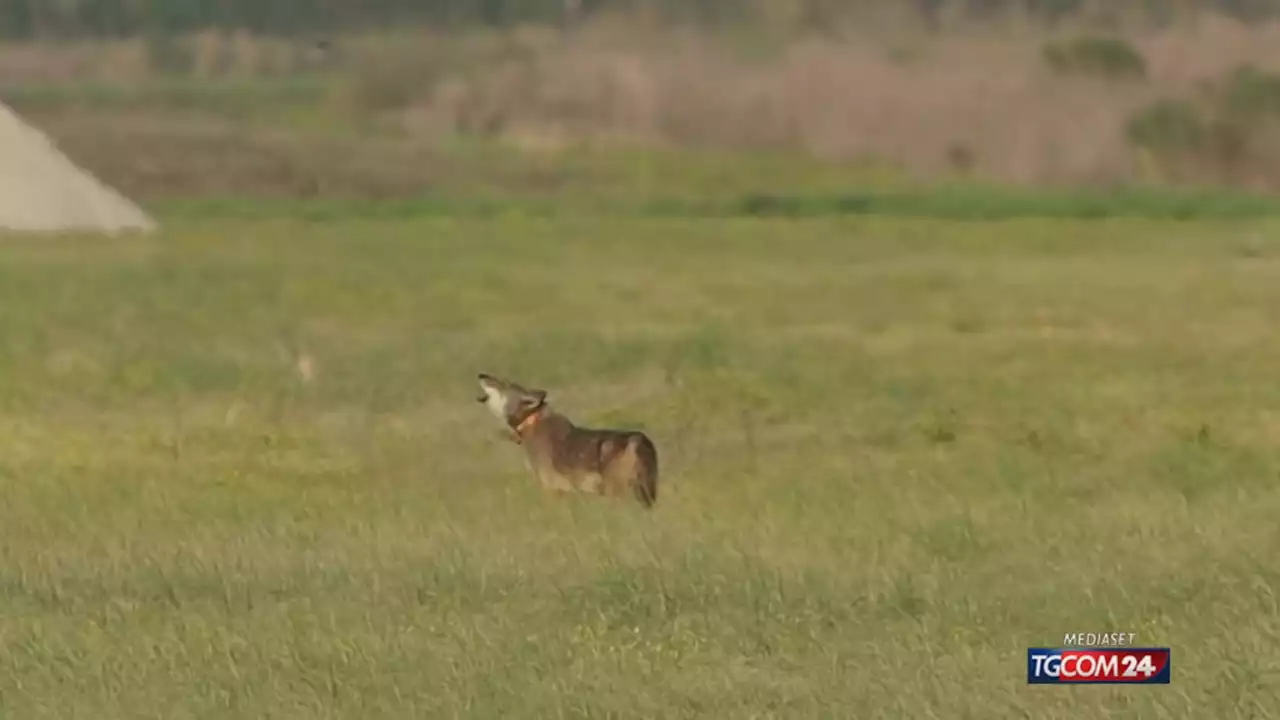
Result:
x=939 y=202
x=896 y=453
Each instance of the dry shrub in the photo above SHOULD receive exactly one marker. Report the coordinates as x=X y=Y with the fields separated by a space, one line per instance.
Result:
x=982 y=105
x=963 y=104
x=1187 y=57
x=30 y=64
x=952 y=102
x=394 y=72
x=204 y=55
x=385 y=80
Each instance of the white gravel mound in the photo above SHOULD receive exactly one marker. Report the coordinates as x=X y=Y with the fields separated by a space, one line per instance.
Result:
x=42 y=190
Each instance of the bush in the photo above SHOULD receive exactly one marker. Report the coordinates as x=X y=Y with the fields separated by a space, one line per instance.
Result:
x=1168 y=127
x=1251 y=94
x=1106 y=58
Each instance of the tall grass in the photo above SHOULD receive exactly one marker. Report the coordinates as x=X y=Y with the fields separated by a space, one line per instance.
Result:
x=979 y=103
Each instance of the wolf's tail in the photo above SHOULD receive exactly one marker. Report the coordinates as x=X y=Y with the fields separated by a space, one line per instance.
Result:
x=646 y=477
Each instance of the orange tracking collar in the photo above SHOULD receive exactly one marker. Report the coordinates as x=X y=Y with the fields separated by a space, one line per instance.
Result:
x=527 y=423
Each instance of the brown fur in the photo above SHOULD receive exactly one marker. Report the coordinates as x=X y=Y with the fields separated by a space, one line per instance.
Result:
x=568 y=458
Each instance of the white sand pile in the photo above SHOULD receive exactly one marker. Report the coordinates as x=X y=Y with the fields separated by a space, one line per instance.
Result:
x=41 y=190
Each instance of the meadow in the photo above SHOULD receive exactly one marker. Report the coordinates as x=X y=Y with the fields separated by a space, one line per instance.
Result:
x=938 y=366
x=246 y=475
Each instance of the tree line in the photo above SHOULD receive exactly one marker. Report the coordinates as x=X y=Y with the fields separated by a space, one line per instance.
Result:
x=49 y=19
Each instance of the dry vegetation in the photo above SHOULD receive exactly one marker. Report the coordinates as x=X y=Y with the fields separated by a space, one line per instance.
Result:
x=989 y=102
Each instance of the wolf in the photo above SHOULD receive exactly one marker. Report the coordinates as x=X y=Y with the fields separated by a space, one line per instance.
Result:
x=568 y=458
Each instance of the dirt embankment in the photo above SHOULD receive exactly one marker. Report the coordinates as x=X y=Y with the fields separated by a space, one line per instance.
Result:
x=41 y=189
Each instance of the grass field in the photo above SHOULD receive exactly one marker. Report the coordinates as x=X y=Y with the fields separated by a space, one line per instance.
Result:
x=896 y=453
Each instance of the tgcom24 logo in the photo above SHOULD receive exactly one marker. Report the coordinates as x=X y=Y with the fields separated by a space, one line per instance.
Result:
x=1099 y=659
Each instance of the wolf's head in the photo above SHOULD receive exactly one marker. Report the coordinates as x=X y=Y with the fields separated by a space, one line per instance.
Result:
x=510 y=402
